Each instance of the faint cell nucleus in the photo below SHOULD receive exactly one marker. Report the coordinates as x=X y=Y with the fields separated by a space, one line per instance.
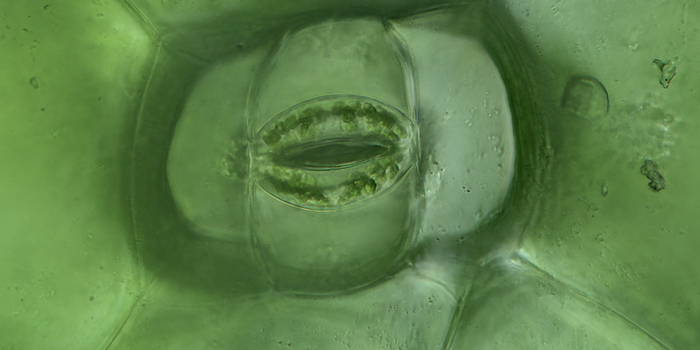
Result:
x=585 y=97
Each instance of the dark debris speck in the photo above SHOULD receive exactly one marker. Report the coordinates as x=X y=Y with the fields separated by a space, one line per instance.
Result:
x=650 y=169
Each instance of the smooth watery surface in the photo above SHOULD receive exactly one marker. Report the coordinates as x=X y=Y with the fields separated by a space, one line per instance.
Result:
x=550 y=202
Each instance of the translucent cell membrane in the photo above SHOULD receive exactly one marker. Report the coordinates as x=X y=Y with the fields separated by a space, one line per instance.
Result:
x=333 y=152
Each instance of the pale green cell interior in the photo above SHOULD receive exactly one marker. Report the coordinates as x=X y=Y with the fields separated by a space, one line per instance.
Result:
x=341 y=56
x=73 y=77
